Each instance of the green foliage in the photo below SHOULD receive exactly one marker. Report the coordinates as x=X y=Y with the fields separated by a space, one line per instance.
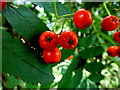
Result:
x=66 y=79
x=96 y=77
x=25 y=22
x=49 y=6
x=94 y=67
x=76 y=79
x=21 y=59
x=90 y=62
x=89 y=39
x=91 y=52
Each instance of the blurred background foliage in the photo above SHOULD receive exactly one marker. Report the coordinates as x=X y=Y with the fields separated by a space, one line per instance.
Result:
x=93 y=41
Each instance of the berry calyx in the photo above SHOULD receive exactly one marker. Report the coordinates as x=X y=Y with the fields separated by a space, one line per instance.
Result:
x=68 y=39
x=116 y=36
x=110 y=23
x=2 y=4
x=82 y=19
x=112 y=51
x=52 y=56
x=48 y=40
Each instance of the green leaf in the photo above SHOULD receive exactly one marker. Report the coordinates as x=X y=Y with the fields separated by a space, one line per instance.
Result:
x=65 y=53
x=91 y=84
x=24 y=21
x=89 y=39
x=20 y=60
x=91 y=52
x=96 y=77
x=49 y=6
x=83 y=84
x=12 y=82
x=106 y=37
x=76 y=79
x=66 y=79
x=29 y=85
x=94 y=67
x=48 y=85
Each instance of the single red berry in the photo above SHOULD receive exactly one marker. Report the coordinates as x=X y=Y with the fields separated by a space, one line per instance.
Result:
x=52 y=56
x=2 y=4
x=48 y=40
x=116 y=36
x=82 y=19
x=110 y=23
x=68 y=39
x=112 y=51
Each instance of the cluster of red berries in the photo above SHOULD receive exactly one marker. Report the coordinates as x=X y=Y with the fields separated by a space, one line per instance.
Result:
x=67 y=39
x=50 y=40
x=111 y=23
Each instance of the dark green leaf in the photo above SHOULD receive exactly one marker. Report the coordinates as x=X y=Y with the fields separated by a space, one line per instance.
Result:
x=106 y=37
x=12 y=82
x=24 y=21
x=89 y=39
x=94 y=67
x=91 y=52
x=29 y=85
x=20 y=60
x=49 y=6
x=96 y=77
x=66 y=53
x=48 y=85
x=76 y=79
x=66 y=79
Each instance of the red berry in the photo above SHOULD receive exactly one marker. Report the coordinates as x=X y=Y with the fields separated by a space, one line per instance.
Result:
x=116 y=36
x=2 y=4
x=110 y=23
x=82 y=19
x=112 y=51
x=48 y=40
x=68 y=39
x=52 y=56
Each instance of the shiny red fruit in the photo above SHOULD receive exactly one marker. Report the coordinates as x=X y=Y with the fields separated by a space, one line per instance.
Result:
x=116 y=36
x=82 y=19
x=110 y=23
x=2 y=4
x=48 y=40
x=68 y=39
x=112 y=51
x=52 y=56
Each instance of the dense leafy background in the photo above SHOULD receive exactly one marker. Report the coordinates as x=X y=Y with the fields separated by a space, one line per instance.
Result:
x=23 y=65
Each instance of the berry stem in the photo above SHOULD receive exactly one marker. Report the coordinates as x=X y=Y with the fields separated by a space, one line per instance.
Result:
x=56 y=13
x=104 y=3
x=55 y=9
x=96 y=33
x=66 y=15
